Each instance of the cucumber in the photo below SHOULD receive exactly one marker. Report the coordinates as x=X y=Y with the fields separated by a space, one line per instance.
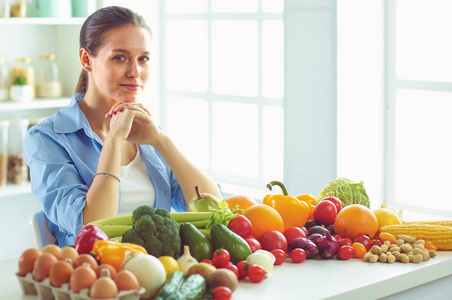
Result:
x=223 y=237
x=200 y=246
x=172 y=284
x=193 y=288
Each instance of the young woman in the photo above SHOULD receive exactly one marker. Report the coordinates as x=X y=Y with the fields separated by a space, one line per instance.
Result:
x=103 y=155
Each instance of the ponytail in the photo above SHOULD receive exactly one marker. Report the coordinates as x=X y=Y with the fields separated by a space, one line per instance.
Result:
x=82 y=85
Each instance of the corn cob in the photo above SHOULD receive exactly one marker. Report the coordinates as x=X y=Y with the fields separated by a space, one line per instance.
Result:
x=439 y=235
x=443 y=223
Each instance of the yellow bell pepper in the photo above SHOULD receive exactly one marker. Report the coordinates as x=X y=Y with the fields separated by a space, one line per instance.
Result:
x=113 y=253
x=294 y=212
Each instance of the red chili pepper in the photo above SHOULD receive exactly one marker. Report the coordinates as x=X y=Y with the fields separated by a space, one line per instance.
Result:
x=87 y=236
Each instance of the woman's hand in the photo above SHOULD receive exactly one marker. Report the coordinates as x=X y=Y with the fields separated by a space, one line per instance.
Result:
x=137 y=123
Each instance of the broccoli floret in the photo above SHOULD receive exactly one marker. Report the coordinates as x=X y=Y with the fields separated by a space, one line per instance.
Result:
x=155 y=230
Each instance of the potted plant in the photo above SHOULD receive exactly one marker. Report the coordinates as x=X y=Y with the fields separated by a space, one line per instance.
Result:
x=21 y=90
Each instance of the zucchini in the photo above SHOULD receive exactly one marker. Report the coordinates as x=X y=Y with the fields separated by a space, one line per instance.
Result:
x=172 y=284
x=193 y=288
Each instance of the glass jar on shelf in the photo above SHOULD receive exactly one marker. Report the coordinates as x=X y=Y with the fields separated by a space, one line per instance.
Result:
x=48 y=83
x=17 y=172
x=22 y=80
x=3 y=151
x=18 y=8
x=4 y=82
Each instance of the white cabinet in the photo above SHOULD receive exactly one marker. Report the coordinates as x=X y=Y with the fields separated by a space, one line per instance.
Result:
x=32 y=37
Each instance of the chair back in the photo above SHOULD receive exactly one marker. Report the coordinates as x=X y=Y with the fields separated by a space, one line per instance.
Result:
x=39 y=230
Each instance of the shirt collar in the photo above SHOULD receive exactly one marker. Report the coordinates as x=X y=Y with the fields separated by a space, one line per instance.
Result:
x=71 y=118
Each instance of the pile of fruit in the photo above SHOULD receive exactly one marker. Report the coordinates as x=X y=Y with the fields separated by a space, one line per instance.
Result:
x=206 y=252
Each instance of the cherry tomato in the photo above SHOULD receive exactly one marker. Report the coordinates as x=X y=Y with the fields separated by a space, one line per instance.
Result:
x=273 y=239
x=233 y=268
x=220 y=258
x=336 y=201
x=376 y=242
x=242 y=266
x=298 y=255
x=338 y=237
x=345 y=241
x=360 y=250
x=346 y=252
x=325 y=212
x=385 y=236
x=256 y=273
x=430 y=246
x=241 y=225
x=363 y=239
x=207 y=261
x=253 y=243
x=292 y=233
x=280 y=256
x=222 y=293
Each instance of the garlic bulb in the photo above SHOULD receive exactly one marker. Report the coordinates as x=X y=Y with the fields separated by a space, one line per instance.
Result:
x=186 y=260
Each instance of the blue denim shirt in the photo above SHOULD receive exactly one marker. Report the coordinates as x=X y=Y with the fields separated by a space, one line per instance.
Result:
x=63 y=152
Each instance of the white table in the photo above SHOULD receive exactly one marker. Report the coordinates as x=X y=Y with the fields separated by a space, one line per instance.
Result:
x=320 y=279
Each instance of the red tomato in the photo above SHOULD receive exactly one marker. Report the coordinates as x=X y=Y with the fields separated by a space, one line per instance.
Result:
x=280 y=256
x=253 y=243
x=345 y=241
x=207 y=261
x=298 y=255
x=220 y=258
x=325 y=212
x=376 y=242
x=222 y=293
x=292 y=233
x=363 y=239
x=338 y=238
x=242 y=266
x=256 y=273
x=241 y=225
x=346 y=252
x=273 y=239
x=336 y=201
x=233 y=268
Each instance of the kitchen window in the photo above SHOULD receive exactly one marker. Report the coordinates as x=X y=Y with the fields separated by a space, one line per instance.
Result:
x=419 y=103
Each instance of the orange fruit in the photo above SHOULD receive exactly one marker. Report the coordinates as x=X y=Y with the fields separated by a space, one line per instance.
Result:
x=243 y=202
x=264 y=218
x=355 y=219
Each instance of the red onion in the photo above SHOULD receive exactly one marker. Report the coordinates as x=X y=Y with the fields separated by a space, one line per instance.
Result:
x=328 y=246
x=308 y=246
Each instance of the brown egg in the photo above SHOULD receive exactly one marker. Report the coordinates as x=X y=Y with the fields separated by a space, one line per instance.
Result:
x=107 y=266
x=52 y=249
x=68 y=252
x=126 y=281
x=27 y=260
x=60 y=273
x=85 y=258
x=103 y=288
x=82 y=278
x=42 y=265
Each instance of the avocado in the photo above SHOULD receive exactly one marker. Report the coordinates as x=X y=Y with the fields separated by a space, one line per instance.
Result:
x=200 y=246
x=223 y=237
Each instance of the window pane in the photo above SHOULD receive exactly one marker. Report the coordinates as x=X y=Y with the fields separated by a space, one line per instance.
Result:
x=234 y=6
x=423 y=148
x=273 y=59
x=234 y=58
x=186 y=6
x=273 y=6
x=423 y=46
x=188 y=128
x=235 y=145
x=273 y=143
x=186 y=56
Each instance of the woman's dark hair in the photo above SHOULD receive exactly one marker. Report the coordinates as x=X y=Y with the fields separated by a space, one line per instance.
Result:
x=94 y=28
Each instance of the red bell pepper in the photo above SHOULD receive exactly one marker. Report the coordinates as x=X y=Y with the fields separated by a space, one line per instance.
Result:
x=87 y=236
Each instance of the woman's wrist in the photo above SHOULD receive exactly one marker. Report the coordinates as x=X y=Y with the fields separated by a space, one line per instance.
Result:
x=162 y=143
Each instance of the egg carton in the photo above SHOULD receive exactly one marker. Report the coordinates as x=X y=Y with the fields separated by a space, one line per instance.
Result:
x=45 y=291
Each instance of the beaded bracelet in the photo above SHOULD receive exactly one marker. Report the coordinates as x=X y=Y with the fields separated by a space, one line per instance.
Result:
x=108 y=174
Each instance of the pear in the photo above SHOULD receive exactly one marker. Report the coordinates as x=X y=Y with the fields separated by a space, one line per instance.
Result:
x=202 y=201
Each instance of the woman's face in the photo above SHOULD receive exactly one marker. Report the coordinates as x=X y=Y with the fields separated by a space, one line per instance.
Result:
x=120 y=69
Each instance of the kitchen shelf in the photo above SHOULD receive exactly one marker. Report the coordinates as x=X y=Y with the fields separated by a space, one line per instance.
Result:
x=42 y=21
x=15 y=190
x=36 y=108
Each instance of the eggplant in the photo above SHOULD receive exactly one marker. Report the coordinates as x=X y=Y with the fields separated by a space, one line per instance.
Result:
x=307 y=245
x=311 y=223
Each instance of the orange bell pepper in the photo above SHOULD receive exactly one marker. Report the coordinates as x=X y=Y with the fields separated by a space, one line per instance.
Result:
x=113 y=253
x=294 y=212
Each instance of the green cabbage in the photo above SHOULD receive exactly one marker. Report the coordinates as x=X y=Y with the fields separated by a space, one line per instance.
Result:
x=347 y=191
